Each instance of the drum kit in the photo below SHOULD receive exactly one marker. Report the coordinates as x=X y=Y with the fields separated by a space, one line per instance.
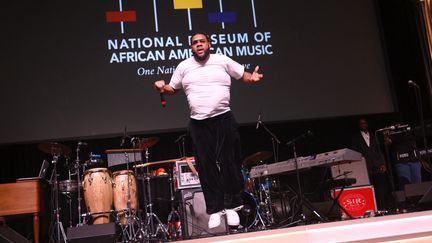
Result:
x=264 y=195
x=114 y=196
x=108 y=195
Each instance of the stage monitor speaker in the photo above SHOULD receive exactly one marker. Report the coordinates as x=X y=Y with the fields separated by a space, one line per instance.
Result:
x=417 y=190
x=93 y=233
x=426 y=199
x=194 y=215
x=8 y=235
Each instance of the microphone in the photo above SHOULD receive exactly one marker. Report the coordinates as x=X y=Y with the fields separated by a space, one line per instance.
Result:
x=162 y=99
x=308 y=133
x=386 y=128
x=259 y=121
x=412 y=83
x=134 y=139
x=180 y=137
x=82 y=143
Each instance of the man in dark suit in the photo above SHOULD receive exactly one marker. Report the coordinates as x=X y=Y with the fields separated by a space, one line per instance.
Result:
x=364 y=142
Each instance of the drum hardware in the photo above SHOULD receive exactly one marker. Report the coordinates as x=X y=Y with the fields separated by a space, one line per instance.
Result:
x=266 y=202
x=127 y=217
x=87 y=216
x=56 y=150
x=79 y=184
x=173 y=221
x=151 y=216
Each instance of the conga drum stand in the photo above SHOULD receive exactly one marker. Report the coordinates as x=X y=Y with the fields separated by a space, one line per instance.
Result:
x=132 y=230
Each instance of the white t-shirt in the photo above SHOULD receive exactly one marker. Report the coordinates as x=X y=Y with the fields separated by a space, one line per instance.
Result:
x=207 y=86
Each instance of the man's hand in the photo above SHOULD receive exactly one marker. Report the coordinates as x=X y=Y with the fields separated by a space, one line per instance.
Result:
x=255 y=77
x=160 y=86
x=252 y=77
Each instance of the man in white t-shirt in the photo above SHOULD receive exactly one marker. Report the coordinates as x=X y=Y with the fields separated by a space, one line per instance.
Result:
x=206 y=81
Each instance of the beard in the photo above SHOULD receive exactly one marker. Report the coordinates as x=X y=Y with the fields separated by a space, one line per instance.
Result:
x=203 y=57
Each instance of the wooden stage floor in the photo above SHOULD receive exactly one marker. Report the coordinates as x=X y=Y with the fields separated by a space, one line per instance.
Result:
x=408 y=227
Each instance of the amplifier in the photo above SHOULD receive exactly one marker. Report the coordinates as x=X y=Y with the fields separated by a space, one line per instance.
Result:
x=118 y=156
x=353 y=169
x=194 y=216
x=185 y=178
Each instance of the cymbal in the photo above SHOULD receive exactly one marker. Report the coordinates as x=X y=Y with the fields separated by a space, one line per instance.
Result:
x=257 y=157
x=54 y=148
x=145 y=143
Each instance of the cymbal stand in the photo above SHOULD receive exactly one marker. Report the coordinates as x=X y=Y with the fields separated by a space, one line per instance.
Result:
x=152 y=232
x=174 y=225
x=132 y=230
x=60 y=234
x=77 y=168
x=180 y=141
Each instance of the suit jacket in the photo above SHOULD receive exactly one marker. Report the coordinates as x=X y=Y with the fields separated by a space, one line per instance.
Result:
x=374 y=158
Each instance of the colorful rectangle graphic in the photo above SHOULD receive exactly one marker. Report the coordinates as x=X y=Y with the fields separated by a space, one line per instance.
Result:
x=117 y=16
x=187 y=4
x=225 y=17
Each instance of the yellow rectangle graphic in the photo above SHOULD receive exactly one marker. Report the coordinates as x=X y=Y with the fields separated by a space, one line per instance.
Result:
x=185 y=4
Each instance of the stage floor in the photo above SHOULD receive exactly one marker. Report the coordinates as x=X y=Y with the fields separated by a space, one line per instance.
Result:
x=408 y=227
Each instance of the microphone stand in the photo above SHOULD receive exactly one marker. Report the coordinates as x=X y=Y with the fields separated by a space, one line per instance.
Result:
x=180 y=141
x=275 y=140
x=418 y=96
x=302 y=200
x=267 y=198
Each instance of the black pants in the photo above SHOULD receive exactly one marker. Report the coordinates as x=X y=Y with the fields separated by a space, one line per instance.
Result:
x=217 y=149
x=382 y=190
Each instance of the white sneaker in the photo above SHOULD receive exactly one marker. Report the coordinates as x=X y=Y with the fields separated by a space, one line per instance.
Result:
x=215 y=219
x=233 y=218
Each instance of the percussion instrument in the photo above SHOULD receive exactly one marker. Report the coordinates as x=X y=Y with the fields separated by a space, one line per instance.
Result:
x=248 y=220
x=257 y=158
x=56 y=149
x=98 y=194
x=68 y=186
x=120 y=191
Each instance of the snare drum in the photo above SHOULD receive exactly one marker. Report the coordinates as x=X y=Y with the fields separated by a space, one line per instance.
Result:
x=98 y=194
x=68 y=186
x=120 y=189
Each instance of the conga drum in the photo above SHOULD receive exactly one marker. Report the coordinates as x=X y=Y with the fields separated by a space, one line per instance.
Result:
x=98 y=194
x=120 y=191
